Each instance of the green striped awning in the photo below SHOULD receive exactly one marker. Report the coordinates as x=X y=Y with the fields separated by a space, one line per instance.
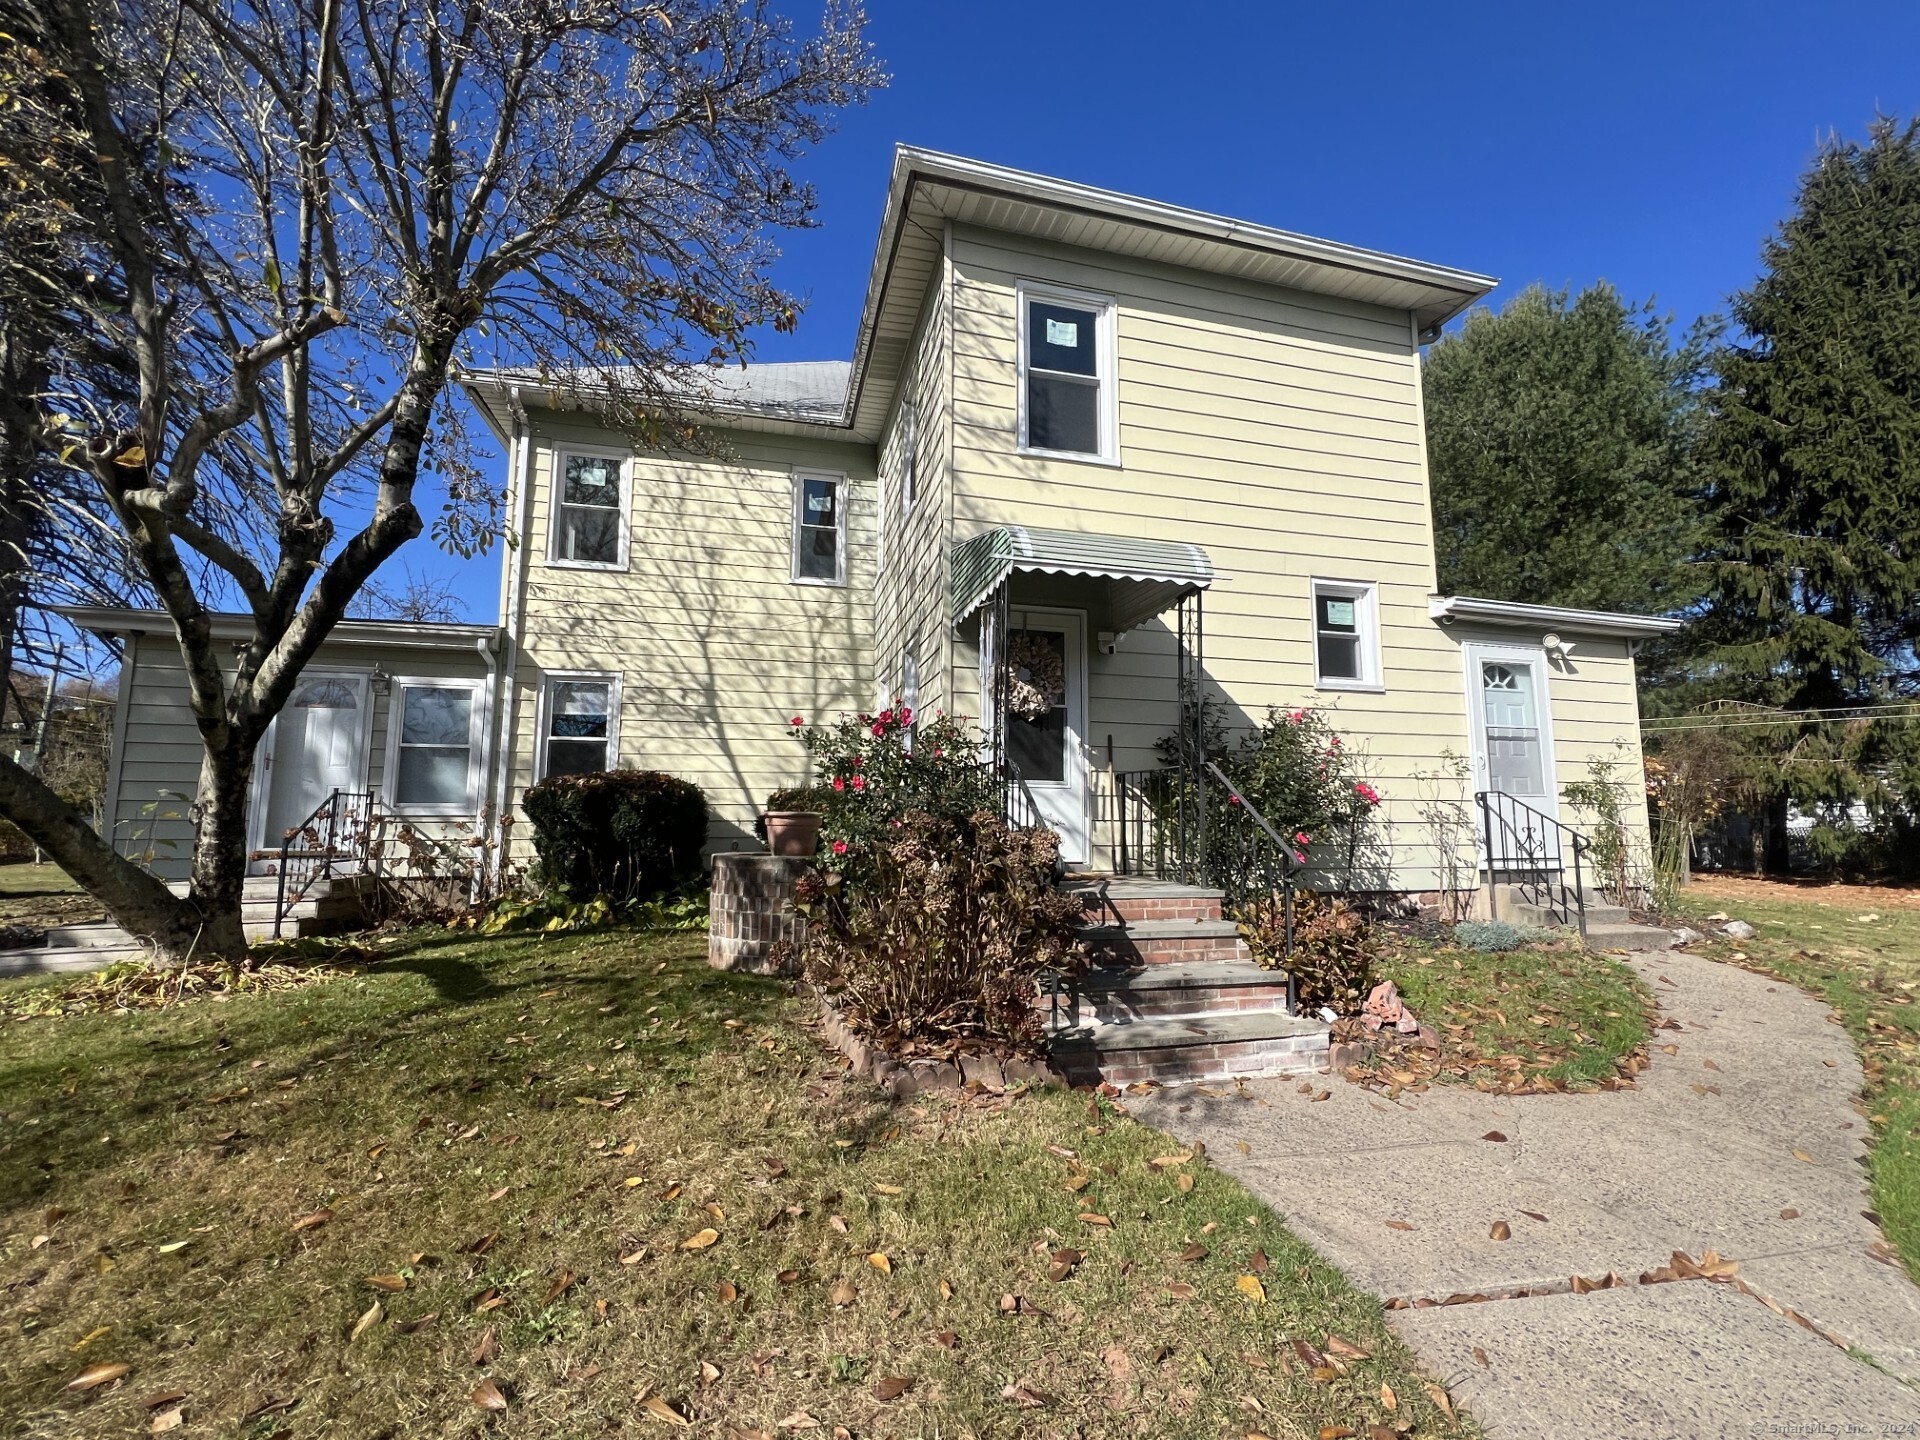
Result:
x=1143 y=578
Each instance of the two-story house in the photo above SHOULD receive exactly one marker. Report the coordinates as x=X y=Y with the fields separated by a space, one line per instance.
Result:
x=1108 y=436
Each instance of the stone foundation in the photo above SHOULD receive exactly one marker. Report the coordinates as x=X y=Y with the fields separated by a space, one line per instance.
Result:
x=751 y=912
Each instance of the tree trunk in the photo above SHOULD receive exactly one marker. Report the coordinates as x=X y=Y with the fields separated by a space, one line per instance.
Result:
x=219 y=876
x=137 y=900
x=1774 y=857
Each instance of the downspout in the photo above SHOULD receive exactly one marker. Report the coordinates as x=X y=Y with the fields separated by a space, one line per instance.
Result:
x=507 y=666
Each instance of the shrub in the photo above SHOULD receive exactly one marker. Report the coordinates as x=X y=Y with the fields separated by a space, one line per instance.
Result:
x=1335 y=951
x=625 y=834
x=1298 y=773
x=1488 y=935
x=938 y=937
x=873 y=770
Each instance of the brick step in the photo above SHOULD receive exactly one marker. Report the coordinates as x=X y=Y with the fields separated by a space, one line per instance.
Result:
x=1185 y=1049
x=1163 y=942
x=1111 y=996
x=1111 y=900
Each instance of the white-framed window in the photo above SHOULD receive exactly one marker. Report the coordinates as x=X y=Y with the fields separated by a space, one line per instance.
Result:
x=435 y=733
x=819 y=528
x=579 y=723
x=588 y=523
x=909 y=455
x=1346 y=635
x=1067 y=373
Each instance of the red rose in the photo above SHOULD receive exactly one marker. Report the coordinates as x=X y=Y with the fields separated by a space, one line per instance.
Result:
x=839 y=847
x=838 y=783
x=859 y=782
x=796 y=722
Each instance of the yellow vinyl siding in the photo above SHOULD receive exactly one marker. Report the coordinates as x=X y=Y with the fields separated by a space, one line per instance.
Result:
x=1279 y=431
x=714 y=644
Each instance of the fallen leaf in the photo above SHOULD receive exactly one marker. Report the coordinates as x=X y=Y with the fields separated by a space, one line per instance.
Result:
x=163 y=1397
x=880 y=1262
x=1442 y=1401
x=95 y=1376
x=1398 y=1225
x=1388 y=1399
x=634 y=1257
x=488 y=1397
x=166 y=1420
x=891 y=1387
x=1061 y=1263
x=1250 y=1286
x=1191 y=1254
x=417 y=1324
x=1346 y=1349
x=799 y=1420
x=1494 y=1135
x=309 y=1222
x=838 y=1222
x=1180 y=1290
x=888 y=1190
x=557 y=1289
x=1087 y=1217
x=1500 y=1230
x=1022 y=1393
x=726 y=1292
x=1803 y=1157
x=945 y=1339
x=1534 y=1215
x=1258 y=1262
x=701 y=1240
x=1789 y=1214
x=1183 y=1181
x=366 y=1322
x=486 y=1347
x=660 y=1410
x=1480 y=1358
x=392 y=1284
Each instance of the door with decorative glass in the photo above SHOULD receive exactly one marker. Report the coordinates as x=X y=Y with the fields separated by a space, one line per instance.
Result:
x=1513 y=754
x=316 y=745
x=1046 y=719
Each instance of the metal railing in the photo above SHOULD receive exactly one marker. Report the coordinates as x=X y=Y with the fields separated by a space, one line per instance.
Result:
x=1017 y=805
x=332 y=840
x=1528 y=849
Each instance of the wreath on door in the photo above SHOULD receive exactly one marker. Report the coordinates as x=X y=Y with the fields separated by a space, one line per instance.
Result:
x=1036 y=678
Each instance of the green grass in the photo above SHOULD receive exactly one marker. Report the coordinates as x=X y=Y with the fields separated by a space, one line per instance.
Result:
x=484 y=1118
x=1535 y=1018
x=26 y=878
x=35 y=897
x=1868 y=971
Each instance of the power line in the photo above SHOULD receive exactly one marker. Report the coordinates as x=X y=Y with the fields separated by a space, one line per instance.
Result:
x=1747 y=720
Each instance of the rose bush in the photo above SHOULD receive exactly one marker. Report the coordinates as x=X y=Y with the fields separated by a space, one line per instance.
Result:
x=1297 y=772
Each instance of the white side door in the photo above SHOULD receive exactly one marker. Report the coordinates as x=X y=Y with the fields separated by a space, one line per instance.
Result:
x=1050 y=748
x=1510 y=716
x=316 y=745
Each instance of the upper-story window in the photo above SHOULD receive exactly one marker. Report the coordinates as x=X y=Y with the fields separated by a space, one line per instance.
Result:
x=1346 y=636
x=1066 y=373
x=589 y=526
x=819 y=528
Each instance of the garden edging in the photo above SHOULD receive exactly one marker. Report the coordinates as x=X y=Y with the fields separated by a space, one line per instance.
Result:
x=904 y=1078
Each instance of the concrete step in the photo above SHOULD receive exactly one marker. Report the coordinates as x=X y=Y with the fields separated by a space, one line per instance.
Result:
x=1186 y=1049
x=1163 y=942
x=1525 y=914
x=1103 y=996
x=1628 y=937
x=55 y=959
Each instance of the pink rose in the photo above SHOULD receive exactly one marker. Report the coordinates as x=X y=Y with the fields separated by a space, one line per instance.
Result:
x=859 y=782
x=838 y=783
x=796 y=722
x=839 y=847
x=879 y=732
x=885 y=717
x=906 y=715
x=1233 y=799
x=1300 y=837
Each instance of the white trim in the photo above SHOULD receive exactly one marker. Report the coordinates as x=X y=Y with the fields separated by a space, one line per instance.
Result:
x=225 y=625
x=910 y=458
x=842 y=504
x=1471 y=654
x=262 y=786
x=623 y=513
x=478 y=720
x=1445 y=608
x=1106 y=375
x=543 y=715
x=1366 y=596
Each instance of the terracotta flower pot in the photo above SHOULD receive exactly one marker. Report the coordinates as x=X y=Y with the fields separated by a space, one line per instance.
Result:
x=793 y=832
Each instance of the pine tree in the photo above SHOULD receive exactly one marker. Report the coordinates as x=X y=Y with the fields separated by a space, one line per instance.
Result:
x=1812 y=460
x=1559 y=434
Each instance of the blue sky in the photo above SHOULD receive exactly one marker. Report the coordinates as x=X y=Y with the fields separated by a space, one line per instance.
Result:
x=1652 y=145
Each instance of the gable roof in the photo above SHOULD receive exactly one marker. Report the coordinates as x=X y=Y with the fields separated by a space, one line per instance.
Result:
x=928 y=188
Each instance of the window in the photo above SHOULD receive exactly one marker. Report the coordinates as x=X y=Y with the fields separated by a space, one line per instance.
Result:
x=1066 y=374
x=819 y=529
x=909 y=448
x=589 y=510
x=579 y=724
x=1346 y=645
x=435 y=727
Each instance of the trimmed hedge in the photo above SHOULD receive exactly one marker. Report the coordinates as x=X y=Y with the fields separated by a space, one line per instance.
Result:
x=625 y=834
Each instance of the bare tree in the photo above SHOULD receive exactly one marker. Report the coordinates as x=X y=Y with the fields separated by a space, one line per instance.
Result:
x=316 y=210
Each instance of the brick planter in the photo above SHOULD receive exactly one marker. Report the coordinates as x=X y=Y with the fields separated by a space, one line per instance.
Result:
x=752 y=911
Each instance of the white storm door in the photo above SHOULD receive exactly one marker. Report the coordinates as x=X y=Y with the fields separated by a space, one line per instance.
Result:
x=1513 y=753
x=1047 y=649
x=317 y=745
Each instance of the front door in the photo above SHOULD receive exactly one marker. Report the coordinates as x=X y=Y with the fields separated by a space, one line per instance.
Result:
x=1047 y=719
x=1513 y=754
x=316 y=745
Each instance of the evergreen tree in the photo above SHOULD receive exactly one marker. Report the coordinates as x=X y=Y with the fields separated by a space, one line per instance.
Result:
x=1812 y=462
x=1559 y=437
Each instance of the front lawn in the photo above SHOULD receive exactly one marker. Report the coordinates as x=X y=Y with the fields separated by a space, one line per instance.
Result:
x=598 y=1186
x=1858 y=948
x=1541 y=1018
x=33 y=898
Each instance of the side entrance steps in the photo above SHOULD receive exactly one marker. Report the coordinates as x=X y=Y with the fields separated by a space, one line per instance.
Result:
x=1172 y=994
x=1609 y=926
x=330 y=907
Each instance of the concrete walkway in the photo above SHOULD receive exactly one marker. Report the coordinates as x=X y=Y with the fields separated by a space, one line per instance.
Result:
x=1701 y=1157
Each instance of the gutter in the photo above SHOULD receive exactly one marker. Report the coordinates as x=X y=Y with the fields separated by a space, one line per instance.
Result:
x=1448 y=608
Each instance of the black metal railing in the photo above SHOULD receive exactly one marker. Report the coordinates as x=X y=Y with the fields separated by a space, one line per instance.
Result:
x=1529 y=849
x=333 y=840
x=1017 y=805
x=1139 y=819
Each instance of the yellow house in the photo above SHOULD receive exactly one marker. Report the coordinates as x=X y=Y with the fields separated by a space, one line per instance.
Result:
x=1111 y=439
